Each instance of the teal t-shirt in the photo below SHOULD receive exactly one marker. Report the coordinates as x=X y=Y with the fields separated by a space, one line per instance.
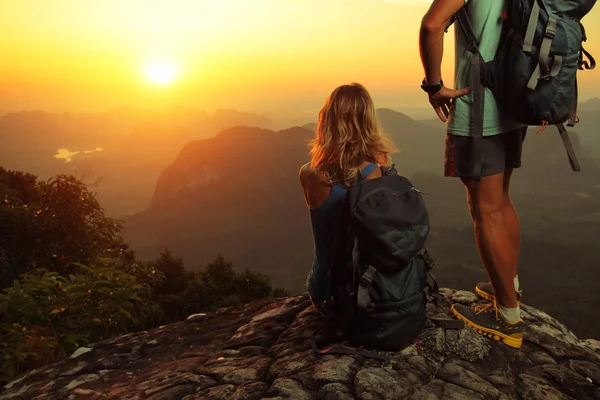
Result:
x=487 y=18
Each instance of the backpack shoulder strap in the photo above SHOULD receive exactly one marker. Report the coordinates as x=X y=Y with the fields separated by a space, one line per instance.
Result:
x=465 y=24
x=531 y=27
x=477 y=88
x=366 y=171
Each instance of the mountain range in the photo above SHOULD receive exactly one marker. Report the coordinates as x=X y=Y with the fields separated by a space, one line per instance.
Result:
x=204 y=184
x=238 y=194
x=136 y=145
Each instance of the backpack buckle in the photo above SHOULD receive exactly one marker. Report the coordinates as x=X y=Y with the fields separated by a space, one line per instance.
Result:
x=550 y=30
x=368 y=276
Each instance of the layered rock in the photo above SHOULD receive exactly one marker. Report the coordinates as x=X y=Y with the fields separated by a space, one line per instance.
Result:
x=262 y=351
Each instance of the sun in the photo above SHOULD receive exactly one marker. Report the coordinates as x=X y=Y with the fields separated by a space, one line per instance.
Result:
x=161 y=72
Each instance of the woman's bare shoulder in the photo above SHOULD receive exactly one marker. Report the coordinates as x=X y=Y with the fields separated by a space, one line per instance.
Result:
x=309 y=175
x=315 y=185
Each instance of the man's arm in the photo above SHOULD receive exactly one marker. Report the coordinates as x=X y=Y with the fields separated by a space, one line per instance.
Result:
x=431 y=41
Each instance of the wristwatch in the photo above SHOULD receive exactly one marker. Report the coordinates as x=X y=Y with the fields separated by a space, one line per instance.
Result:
x=431 y=89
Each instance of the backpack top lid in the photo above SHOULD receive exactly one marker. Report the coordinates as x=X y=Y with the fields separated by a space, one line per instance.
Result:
x=390 y=220
x=575 y=9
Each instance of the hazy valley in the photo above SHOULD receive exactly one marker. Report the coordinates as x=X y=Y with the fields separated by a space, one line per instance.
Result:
x=204 y=184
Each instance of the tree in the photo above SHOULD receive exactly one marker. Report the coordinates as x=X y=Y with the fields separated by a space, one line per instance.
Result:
x=51 y=225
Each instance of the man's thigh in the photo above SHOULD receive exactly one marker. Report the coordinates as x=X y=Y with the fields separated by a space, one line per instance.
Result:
x=499 y=152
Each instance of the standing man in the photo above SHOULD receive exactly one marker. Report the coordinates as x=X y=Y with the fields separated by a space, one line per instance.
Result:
x=494 y=217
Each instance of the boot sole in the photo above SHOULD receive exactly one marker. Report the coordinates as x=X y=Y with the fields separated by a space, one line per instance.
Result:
x=511 y=341
x=488 y=296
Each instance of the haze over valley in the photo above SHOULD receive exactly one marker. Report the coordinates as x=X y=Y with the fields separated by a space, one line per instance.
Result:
x=226 y=183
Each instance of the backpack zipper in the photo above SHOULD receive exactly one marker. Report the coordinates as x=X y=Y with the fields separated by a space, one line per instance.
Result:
x=418 y=191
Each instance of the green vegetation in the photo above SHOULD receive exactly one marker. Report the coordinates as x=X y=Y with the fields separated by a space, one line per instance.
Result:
x=70 y=280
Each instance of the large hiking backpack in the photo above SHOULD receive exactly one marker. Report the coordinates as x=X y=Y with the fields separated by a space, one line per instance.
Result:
x=533 y=74
x=378 y=285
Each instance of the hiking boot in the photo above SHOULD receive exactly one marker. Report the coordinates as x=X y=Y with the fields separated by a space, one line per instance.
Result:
x=485 y=290
x=488 y=321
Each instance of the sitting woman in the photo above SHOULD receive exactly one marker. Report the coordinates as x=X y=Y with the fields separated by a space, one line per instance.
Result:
x=348 y=142
x=369 y=274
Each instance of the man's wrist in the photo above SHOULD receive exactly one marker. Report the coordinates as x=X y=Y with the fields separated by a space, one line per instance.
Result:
x=432 y=89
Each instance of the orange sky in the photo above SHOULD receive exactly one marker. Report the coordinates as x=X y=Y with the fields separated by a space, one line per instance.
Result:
x=255 y=55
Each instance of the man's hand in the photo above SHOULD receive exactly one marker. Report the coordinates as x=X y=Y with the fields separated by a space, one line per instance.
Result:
x=442 y=100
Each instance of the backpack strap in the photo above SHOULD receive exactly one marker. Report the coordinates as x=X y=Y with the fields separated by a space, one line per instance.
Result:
x=544 y=57
x=427 y=257
x=530 y=33
x=366 y=171
x=431 y=287
x=583 y=63
x=573 y=119
x=543 y=70
x=341 y=349
x=431 y=290
x=477 y=88
x=363 y=298
x=569 y=147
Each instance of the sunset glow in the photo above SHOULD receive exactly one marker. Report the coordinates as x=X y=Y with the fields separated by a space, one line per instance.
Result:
x=81 y=55
x=161 y=72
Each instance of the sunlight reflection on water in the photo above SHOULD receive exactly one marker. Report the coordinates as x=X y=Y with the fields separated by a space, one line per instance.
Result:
x=67 y=155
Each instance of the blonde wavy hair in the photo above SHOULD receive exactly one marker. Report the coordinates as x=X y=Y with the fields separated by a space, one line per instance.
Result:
x=348 y=134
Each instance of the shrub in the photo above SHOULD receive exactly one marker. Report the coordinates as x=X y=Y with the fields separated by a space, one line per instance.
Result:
x=46 y=316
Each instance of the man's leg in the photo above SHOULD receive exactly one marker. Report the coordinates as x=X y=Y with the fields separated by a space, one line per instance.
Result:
x=512 y=144
x=514 y=152
x=493 y=235
x=512 y=221
x=494 y=231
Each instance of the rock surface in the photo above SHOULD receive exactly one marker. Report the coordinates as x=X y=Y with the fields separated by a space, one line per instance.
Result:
x=262 y=351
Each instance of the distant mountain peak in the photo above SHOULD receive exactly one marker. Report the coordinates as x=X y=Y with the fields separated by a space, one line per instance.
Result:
x=384 y=112
x=241 y=131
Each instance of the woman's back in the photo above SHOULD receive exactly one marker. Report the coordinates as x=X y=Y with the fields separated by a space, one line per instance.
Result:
x=325 y=202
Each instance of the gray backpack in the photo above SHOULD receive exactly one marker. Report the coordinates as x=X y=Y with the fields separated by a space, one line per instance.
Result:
x=533 y=74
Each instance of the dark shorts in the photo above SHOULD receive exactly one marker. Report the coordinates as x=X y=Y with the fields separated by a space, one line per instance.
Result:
x=499 y=152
